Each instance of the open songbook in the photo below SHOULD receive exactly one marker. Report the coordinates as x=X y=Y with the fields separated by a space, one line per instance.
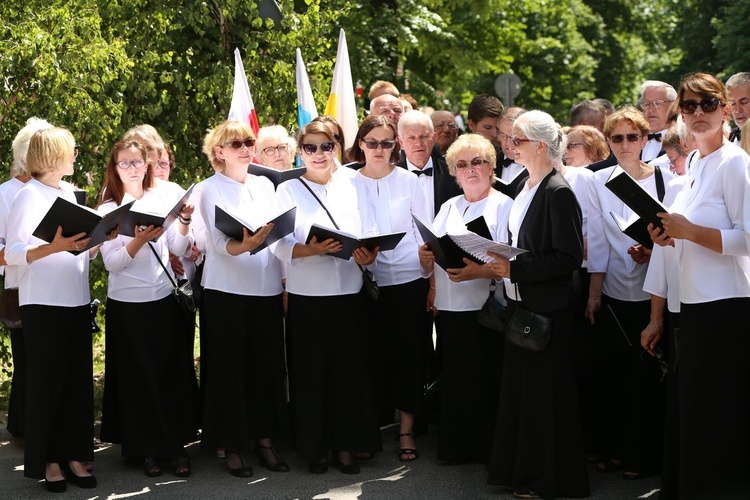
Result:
x=451 y=249
x=349 y=242
x=135 y=218
x=232 y=226
x=635 y=227
x=276 y=176
x=634 y=196
x=76 y=219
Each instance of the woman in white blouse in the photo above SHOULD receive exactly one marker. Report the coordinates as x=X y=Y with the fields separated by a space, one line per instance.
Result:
x=327 y=316
x=244 y=399
x=630 y=437
x=471 y=354
x=54 y=296
x=149 y=404
x=708 y=227
x=401 y=327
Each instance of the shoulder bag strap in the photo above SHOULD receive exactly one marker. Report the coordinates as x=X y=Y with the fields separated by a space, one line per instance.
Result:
x=162 y=265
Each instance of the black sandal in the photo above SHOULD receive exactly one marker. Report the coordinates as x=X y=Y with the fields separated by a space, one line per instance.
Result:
x=402 y=452
x=182 y=466
x=151 y=467
x=277 y=466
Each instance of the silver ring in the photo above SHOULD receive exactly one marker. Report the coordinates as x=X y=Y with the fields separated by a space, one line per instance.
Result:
x=77 y=247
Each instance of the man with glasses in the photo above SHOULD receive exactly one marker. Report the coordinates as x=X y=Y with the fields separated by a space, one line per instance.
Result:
x=656 y=98
x=446 y=129
x=509 y=173
x=738 y=90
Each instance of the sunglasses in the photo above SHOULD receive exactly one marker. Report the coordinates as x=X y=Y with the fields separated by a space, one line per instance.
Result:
x=517 y=142
x=572 y=145
x=707 y=105
x=617 y=139
x=382 y=144
x=325 y=147
x=248 y=143
x=476 y=163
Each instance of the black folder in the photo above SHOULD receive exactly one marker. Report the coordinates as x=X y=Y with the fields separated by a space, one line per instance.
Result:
x=349 y=242
x=634 y=196
x=448 y=254
x=76 y=219
x=135 y=218
x=232 y=226
x=636 y=228
x=276 y=176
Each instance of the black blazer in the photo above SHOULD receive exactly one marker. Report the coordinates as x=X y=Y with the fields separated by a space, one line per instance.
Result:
x=444 y=184
x=551 y=232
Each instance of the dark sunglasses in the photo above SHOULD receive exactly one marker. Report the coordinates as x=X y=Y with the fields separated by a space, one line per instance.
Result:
x=707 y=105
x=248 y=143
x=382 y=144
x=517 y=142
x=617 y=139
x=476 y=163
x=325 y=147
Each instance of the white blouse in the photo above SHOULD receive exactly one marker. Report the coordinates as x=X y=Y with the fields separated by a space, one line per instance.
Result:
x=322 y=275
x=608 y=246
x=141 y=278
x=515 y=220
x=715 y=199
x=257 y=274
x=425 y=208
x=60 y=279
x=8 y=192
x=469 y=295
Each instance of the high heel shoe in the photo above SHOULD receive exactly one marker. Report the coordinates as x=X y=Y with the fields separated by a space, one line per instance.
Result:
x=86 y=482
x=152 y=467
x=58 y=486
x=350 y=468
x=182 y=466
x=277 y=466
x=243 y=470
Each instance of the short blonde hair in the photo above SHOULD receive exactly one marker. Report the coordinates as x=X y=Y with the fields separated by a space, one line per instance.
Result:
x=629 y=115
x=48 y=149
x=21 y=144
x=471 y=142
x=147 y=135
x=228 y=131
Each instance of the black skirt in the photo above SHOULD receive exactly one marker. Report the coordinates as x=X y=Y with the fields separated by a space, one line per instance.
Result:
x=538 y=442
x=149 y=388
x=244 y=396
x=17 y=400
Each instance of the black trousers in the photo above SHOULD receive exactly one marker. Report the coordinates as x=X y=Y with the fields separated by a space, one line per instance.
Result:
x=59 y=386
x=17 y=400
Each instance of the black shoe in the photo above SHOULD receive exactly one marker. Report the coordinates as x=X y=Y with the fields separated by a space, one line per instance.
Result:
x=58 y=486
x=152 y=467
x=351 y=468
x=86 y=482
x=182 y=466
x=317 y=467
x=277 y=466
x=243 y=470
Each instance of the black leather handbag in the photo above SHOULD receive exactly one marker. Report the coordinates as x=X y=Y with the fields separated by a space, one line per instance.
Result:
x=493 y=314
x=529 y=330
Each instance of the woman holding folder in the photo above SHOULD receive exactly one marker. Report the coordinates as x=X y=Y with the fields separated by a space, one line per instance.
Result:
x=327 y=315
x=244 y=405
x=471 y=354
x=53 y=288
x=149 y=398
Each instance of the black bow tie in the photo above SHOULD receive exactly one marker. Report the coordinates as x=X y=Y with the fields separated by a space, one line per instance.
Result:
x=734 y=135
x=656 y=137
x=427 y=172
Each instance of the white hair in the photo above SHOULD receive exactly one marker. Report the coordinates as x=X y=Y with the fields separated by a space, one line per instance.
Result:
x=414 y=117
x=671 y=92
x=540 y=126
x=21 y=144
x=276 y=132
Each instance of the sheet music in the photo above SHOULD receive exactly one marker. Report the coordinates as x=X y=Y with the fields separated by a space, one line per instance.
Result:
x=477 y=246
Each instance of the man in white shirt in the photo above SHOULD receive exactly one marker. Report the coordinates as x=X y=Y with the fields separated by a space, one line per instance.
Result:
x=656 y=98
x=738 y=89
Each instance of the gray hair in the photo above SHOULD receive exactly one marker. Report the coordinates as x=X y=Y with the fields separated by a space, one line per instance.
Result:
x=738 y=80
x=21 y=144
x=540 y=126
x=277 y=132
x=414 y=117
x=671 y=92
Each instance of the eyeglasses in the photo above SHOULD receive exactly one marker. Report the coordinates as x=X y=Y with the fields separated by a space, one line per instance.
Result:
x=618 y=138
x=572 y=145
x=517 y=142
x=325 y=147
x=162 y=164
x=248 y=143
x=136 y=164
x=382 y=144
x=449 y=125
x=476 y=163
x=707 y=105
x=645 y=105
x=270 y=151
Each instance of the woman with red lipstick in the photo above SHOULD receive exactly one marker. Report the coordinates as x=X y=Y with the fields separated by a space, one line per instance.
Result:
x=242 y=301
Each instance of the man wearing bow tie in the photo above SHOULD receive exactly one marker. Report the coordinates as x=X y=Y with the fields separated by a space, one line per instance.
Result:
x=416 y=137
x=738 y=90
x=656 y=98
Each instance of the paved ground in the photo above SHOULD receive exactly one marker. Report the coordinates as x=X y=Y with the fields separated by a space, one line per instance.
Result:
x=382 y=478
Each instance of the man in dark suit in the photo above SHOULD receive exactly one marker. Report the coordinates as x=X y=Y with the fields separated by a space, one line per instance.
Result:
x=738 y=89
x=417 y=140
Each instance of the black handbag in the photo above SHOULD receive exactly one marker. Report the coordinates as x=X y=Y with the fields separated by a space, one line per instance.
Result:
x=493 y=315
x=181 y=290
x=528 y=330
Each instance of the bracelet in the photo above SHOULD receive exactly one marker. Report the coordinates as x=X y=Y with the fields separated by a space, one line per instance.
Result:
x=184 y=220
